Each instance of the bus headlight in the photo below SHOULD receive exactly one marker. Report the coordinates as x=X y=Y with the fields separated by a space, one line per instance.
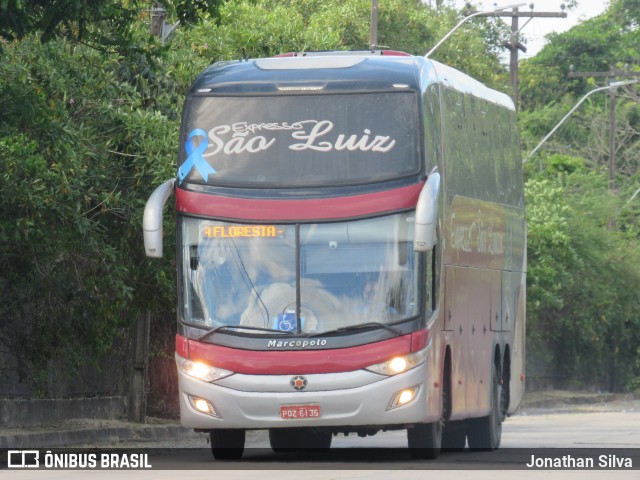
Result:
x=400 y=364
x=200 y=370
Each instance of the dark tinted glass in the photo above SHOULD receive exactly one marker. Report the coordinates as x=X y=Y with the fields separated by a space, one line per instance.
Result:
x=299 y=140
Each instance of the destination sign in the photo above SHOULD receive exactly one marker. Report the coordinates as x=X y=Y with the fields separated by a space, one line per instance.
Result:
x=242 y=231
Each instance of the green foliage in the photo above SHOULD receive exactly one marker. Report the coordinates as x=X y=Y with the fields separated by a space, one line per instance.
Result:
x=584 y=249
x=81 y=149
x=595 y=45
x=583 y=315
x=105 y=24
x=74 y=20
x=251 y=29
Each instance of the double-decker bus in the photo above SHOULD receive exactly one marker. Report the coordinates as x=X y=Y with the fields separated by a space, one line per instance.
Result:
x=350 y=253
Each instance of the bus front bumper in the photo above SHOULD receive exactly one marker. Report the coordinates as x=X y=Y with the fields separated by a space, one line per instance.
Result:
x=359 y=398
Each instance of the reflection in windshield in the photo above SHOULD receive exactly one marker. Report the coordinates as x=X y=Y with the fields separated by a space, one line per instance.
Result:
x=350 y=273
x=299 y=140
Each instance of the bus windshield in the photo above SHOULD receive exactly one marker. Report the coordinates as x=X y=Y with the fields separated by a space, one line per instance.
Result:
x=342 y=274
x=299 y=140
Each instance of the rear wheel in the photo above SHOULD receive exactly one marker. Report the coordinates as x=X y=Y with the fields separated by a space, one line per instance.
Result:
x=485 y=433
x=316 y=440
x=227 y=444
x=454 y=436
x=425 y=440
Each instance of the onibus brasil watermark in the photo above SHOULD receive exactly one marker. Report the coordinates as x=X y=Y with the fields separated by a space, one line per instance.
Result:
x=77 y=460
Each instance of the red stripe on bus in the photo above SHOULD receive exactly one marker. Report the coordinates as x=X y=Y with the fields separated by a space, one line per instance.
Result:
x=182 y=346
x=294 y=362
x=300 y=209
x=419 y=340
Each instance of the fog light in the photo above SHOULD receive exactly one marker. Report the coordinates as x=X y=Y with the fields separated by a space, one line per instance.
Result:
x=403 y=397
x=203 y=406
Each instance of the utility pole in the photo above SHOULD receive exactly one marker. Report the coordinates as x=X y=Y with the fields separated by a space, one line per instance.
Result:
x=611 y=74
x=157 y=19
x=514 y=45
x=373 y=41
x=139 y=376
x=159 y=26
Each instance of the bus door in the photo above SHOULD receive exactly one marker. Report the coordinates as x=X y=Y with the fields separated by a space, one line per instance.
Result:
x=470 y=300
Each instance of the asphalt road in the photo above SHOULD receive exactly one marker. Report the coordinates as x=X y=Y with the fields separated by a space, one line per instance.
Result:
x=610 y=431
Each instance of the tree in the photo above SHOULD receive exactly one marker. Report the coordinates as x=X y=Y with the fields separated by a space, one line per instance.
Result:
x=583 y=319
x=75 y=20
x=81 y=148
x=250 y=29
x=106 y=24
x=583 y=238
x=610 y=39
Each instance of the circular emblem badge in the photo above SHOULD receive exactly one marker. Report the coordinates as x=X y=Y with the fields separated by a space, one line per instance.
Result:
x=298 y=382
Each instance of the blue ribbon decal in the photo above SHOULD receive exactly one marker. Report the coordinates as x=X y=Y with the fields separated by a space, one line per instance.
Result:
x=195 y=158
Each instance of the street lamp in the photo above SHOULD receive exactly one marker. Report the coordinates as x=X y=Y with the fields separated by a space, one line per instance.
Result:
x=632 y=197
x=599 y=89
x=475 y=14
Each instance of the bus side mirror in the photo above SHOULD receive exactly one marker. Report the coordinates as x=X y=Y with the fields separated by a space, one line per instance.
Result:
x=152 y=220
x=427 y=215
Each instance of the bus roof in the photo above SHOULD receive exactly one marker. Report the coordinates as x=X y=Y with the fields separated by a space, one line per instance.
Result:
x=322 y=72
x=337 y=72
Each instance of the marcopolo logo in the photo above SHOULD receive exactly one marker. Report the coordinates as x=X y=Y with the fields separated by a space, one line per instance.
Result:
x=299 y=343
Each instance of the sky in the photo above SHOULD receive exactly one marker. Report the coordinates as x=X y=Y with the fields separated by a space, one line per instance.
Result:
x=537 y=28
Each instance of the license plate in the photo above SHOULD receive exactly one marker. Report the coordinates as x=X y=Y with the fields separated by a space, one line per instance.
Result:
x=293 y=412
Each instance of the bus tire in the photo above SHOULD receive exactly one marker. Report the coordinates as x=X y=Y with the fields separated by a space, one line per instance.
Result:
x=425 y=440
x=227 y=444
x=316 y=440
x=485 y=433
x=284 y=439
x=454 y=437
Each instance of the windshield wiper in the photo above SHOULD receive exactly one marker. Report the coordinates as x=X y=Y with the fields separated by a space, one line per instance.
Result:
x=239 y=327
x=359 y=327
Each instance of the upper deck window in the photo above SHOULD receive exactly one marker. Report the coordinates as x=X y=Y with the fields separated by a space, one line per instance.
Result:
x=299 y=140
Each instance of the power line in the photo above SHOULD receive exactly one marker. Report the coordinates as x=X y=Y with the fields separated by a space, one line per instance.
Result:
x=612 y=73
x=513 y=45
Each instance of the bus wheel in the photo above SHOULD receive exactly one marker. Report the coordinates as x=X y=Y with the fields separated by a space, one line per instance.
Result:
x=316 y=440
x=454 y=436
x=284 y=439
x=227 y=444
x=425 y=440
x=485 y=433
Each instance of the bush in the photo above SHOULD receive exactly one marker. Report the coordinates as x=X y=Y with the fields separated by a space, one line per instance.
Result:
x=583 y=310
